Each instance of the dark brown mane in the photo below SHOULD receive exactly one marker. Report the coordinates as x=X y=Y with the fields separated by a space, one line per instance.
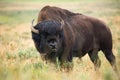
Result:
x=54 y=13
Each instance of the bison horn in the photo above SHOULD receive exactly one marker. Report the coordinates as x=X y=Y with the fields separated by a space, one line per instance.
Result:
x=62 y=23
x=33 y=29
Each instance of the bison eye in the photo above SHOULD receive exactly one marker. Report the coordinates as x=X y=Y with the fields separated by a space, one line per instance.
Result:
x=61 y=35
x=35 y=36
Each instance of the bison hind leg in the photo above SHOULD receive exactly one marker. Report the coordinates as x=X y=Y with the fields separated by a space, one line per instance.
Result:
x=110 y=57
x=94 y=58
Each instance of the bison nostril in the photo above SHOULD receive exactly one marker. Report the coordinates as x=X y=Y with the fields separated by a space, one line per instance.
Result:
x=52 y=46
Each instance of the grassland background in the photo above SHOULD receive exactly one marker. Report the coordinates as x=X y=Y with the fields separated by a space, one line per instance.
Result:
x=19 y=59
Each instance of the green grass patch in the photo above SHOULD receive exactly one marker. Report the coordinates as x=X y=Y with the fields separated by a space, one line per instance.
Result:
x=23 y=54
x=17 y=17
x=28 y=53
x=119 y=51
x=55 y=1
x=108 y=8
x=109 y=76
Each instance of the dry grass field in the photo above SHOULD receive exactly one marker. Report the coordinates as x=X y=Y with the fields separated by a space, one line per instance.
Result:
x=19 y=59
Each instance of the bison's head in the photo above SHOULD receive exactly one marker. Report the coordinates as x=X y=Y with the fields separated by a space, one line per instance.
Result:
x=48 y=37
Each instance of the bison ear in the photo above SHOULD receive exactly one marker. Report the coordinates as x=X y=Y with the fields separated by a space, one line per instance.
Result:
x=33 y=28
x=62 y=24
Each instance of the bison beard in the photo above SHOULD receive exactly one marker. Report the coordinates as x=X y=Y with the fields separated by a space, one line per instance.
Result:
x=78 y=35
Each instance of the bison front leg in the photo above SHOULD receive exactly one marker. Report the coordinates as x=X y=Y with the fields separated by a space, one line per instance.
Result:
x=94 y=58
x=66 y=61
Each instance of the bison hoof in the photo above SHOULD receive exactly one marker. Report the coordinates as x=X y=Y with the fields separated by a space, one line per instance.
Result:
x=67 y=66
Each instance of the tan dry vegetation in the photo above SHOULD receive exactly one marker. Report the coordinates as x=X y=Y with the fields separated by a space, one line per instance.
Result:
x=84 y=69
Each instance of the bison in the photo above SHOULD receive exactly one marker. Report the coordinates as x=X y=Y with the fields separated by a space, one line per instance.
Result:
x=62 y=34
